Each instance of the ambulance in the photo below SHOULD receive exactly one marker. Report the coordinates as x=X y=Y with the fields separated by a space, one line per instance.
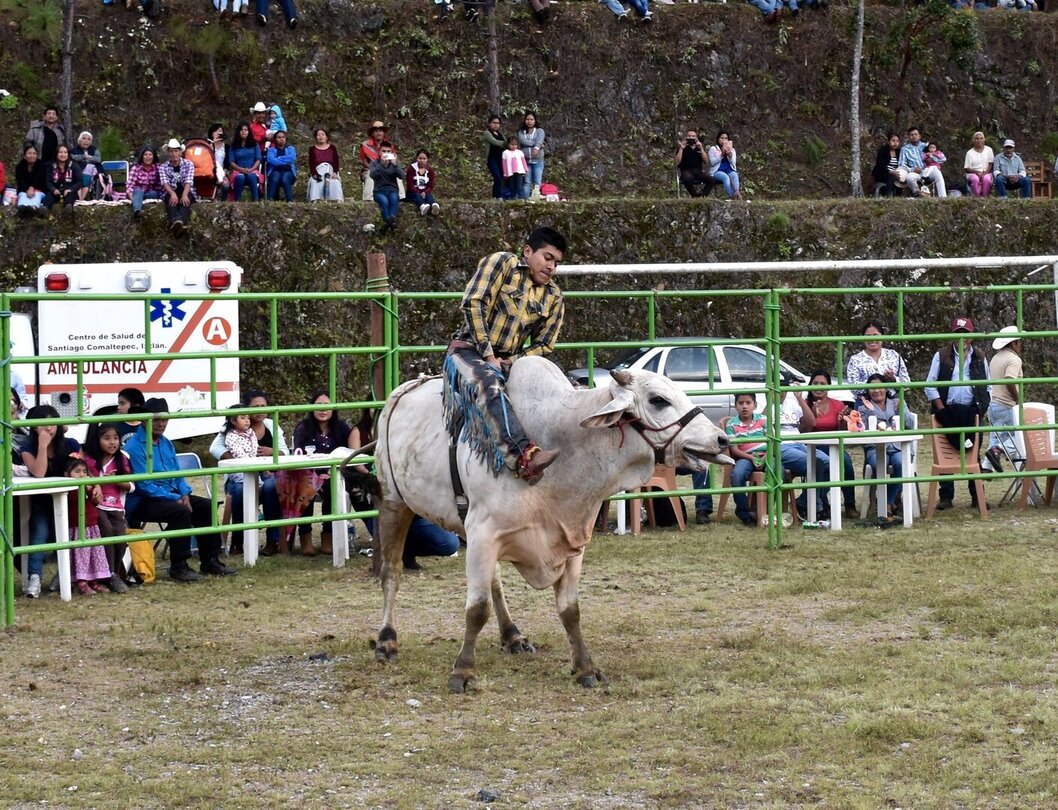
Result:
x=65 y=329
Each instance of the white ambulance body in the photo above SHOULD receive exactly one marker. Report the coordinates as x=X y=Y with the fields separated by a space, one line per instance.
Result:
x=119 y=327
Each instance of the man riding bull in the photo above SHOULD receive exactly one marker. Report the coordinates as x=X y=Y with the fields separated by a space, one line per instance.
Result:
x=509 y=300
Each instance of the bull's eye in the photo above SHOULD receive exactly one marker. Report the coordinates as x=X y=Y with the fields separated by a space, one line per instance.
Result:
x=659 y=402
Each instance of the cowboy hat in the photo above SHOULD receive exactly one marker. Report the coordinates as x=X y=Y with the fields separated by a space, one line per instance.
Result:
x=174 y=144
x=377 y=125
x=259 y=107
x=1003 y=342
x=155 y=405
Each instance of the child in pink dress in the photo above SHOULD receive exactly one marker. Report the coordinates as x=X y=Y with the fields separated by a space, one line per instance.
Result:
x=514 y=167
x=103 y=455
x=90 y=569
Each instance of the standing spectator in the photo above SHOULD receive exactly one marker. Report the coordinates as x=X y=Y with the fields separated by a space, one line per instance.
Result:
x=215 y=135
x=494 y=145
x=1010 y=172
x=885 y=172
x=978 y=167
x=87 y=158
x=65 y=178
x=3 y=184
x=420 y=182
x=723 y=165
x=169 y=500
x=324 y=153
x=384 y=174
x=144 y=181
x=641 y=7
x=89 y=567
x=958 y=405
x=178 y=183
x=244 y=160
x=874 y=359
x=1004 y=370
x=531 y=139
x=46 y=134
x=289 y=11
x=690 y=159
x=913 y=167
x=369 y=151
x=515 y=169
x=103 y=454
x=32 y=183
x=259 y=125
x=281 y=163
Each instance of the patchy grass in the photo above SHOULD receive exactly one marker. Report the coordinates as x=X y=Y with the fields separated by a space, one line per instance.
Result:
x=856 y=669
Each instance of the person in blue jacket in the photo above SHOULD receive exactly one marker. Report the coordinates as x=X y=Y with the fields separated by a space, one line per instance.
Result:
x=169 y=500
x=280 y=169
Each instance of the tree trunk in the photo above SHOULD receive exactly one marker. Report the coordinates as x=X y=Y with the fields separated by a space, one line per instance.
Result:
x=493 y=60
x=66 y=100
x=854 y=104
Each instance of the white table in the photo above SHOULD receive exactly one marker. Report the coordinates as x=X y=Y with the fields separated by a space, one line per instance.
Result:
x=879 y=439
x=62 y=526
x=340 y=539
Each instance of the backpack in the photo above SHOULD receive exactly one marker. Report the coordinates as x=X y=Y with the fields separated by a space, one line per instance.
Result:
x=142 y=552
x=551 y=193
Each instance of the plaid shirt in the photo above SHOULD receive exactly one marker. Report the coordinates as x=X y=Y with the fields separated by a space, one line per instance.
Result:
x=185 y=177
x=503 y=308
x=143 y=179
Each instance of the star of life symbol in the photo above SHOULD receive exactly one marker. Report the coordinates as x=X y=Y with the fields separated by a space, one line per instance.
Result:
x=168 y=309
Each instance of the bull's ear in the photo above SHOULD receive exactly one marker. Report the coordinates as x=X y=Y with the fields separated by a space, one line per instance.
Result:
x=610 y=413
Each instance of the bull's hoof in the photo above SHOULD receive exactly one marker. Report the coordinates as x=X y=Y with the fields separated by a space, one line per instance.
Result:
x=386 y=652
x=589 y=680
x=519 y=645
x=461 y=682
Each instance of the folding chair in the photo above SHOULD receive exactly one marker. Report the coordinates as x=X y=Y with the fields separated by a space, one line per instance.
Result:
x=947 y=461
x=1039 y=453
x=118 y=171
x=1017 y=458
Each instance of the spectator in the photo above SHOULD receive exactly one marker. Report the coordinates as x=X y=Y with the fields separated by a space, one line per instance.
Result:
x=32 y=183
x=531 y=139
x=88 y=565
x=178 y=183
x=65 y=178
x=103 y=454
x=641 y=7
x=259 y=125
x=933 y=157
x=723 y=165
x=515 y=169
x=749 y=456
x=1004 y=369
x=369 y=151
x=958 y=405
x=87 y=158
x=289 y=12
x=494 y=145
x=426 y=539
x=913 y=168
x=269 y=436
x=541 y=11
x=324 y=153
x=795 y=417
x=281 y=163
x=471 y=8
x=831 y=417
x=244 y=160
x=1010 y=172
x=169 y=500
x=885 y=172
x=874 y=359
x=420 y=182
x=144 y=183
x=879 y=402
x=47 y=134
x=978 y=167
x=321 y=431
x=771 y=9
x=690 y=158
x=128 y=400
x=215 y=135
x=45 y=454
x=240 y=7
x=276 y=122
x=384 y=174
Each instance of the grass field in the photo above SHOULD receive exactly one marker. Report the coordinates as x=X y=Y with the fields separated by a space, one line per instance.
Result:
x=867 y=668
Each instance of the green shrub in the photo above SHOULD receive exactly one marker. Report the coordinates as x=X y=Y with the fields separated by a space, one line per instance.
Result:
x=112 y=145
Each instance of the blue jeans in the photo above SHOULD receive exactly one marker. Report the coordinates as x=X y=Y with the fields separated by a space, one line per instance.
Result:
x=388 y=200
x=288 y=8
x=766 y=6
x=269 y=505
x=36 y=201
x=426 y=539
x=1000 y=415
x=702 y=503
x=418 y=199
x=892 y=457
x=641 y=7
x=740 y=474
x=730 y=181
x=515 y=183
x=41 y=529
x=1024 y=184
x=281 y=180
x=246 y=180
x=496 y=170
x=139 y=196
x=534 y=178
x=795 y=459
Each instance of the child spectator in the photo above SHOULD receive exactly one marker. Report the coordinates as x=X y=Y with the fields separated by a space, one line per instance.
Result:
x=244 y=162
x=103 y=455
x=276 y=122
x=749 y=426
x=241 y=442
x=87 y=157
x=384 y=173
x=144 y=182
x=494 y=144
x=933 y=156
x=514 y=169
x=90 y=569
x=65 y=177
x=324 y=153
x=420 y=183
x=128 y=399
x=31 y=181
x=281 y=163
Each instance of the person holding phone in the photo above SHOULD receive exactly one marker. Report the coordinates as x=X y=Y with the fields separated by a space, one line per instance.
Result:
x=690 y=159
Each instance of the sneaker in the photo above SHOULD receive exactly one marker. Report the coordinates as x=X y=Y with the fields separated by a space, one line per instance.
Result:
x=117 y=585
x=262 y=19
x=184 y=573
x=137 y=215
x=622 y=17
x=424 y=209
x=943 y=504
x=177 y=228
x=215 y=568
x=994 y=458
x=703 y=518
x=648 y=18
x=749 y=520
x=33 y=586
x=435 y=209
x=292 y=23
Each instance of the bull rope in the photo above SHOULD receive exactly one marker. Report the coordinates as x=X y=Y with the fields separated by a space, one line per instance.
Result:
x=397 y=397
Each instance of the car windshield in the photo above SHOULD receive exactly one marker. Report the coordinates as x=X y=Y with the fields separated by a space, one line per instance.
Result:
x=629 y=358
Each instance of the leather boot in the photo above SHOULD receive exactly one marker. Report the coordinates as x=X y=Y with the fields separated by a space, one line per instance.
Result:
x=284 y=544
x=325 y=543
x=308 y=548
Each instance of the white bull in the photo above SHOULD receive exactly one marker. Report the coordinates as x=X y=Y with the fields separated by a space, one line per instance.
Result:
x=608 y=437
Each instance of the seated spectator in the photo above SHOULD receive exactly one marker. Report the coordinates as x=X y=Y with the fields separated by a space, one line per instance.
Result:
x=420 y=182
x=144 y=183
x=244 y=161
x=32 y=183
x=369 y=152
x=128 y=400
x=324 y=154
x=885 y=172
x=46 y=134
x=169 y=500
x=978 y=167
x=796 y=417
x=771 y=9
x=281 y=166
x=1010 y=172
x=259 y=125
x=881 y=404
x=831 y=416
x=178 y=183
x=641 y=7
x=494 y=146
x=913 y=169
x=87 y=158
x=426 y=539
x=749 y=455
x=65 y=178
x=289 y=11
x=515 y=169
x=385 y=172
x=276 y=122
x=690 y=159
x=240 y=7
x=723 y=165
x=215 y=135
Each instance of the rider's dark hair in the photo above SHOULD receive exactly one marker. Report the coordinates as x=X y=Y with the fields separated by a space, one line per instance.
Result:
x=546 y=236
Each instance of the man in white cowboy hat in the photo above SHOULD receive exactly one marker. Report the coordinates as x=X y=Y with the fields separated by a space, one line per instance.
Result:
x=371 y=150
x=178 y=186
x=259 y=125
x=1003 y=369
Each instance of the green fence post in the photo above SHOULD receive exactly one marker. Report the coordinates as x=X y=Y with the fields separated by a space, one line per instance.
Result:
x=773 y=468
x=7 y=510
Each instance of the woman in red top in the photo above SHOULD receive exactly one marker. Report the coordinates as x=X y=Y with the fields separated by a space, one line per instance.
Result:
x=323 y=153
x=831 y=418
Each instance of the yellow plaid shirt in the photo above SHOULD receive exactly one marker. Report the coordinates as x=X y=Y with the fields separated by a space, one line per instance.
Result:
x=504 y=308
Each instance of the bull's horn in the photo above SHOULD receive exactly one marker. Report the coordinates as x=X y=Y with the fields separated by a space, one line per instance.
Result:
x=622 y=376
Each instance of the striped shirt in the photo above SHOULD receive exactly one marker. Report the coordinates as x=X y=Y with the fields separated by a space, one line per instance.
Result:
x=504 y=308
